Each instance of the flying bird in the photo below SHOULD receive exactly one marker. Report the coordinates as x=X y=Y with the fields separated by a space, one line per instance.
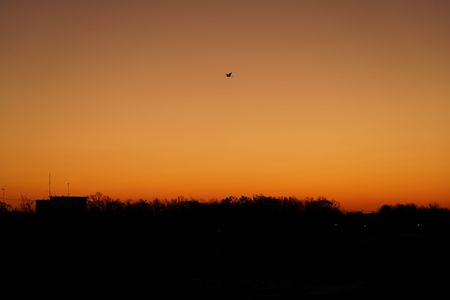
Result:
x=228 y=74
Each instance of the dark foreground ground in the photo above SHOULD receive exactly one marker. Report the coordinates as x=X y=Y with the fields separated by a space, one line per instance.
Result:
x=218 y=252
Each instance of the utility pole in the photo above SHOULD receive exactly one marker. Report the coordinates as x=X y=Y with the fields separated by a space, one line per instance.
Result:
x=68 y=193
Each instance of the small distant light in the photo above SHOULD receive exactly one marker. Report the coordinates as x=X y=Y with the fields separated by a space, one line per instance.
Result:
x=365 y=226
x=335 y=225
x=419 y=225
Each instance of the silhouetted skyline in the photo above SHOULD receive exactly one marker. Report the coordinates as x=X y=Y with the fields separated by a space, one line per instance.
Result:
x=259 y=246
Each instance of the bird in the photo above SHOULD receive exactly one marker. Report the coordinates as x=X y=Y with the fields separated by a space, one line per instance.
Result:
x=228 y=74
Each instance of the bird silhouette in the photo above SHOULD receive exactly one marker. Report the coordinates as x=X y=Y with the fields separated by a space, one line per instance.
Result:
x=228 y=74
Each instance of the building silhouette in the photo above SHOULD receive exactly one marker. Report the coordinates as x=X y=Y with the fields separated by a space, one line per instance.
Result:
x=62 y=206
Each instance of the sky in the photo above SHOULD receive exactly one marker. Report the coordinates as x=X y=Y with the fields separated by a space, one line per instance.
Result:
x=348 y=100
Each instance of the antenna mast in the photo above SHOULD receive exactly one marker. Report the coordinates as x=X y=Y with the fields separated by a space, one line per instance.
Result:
x=49 y=184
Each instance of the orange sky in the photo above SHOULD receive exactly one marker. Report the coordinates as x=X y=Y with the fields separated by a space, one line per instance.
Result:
x=341 y=99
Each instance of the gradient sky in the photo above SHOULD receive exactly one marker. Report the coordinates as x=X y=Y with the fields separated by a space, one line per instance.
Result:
x=344 y=99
